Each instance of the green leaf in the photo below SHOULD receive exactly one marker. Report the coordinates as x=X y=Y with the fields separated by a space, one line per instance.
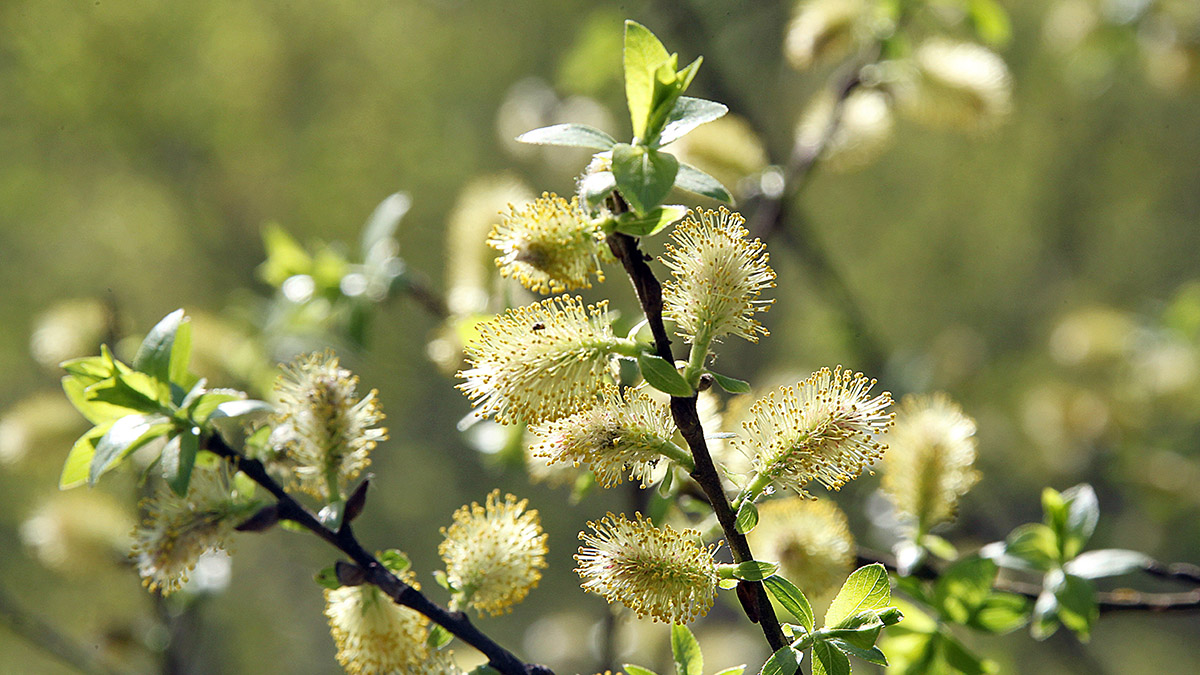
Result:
x=1044 y=621
x=571 y=135
x=1077 y=608
x=438 y=637
x=79 y=459
x=829 y=660
x=1001 y=613
x=664 y=486
x=643 y=55
x=1107 y=562
x=860 y=630
x=686 y=651
x=785 y=661
x=747 y=517
x=133 y=391
x=1032 y=546
x=964 y=587
x=154 y=355
x=694 y=180
x=206 y=404
x=126 y=435
x=1083 y=512
x=662 y=376
x=327 y=578
x=792 y=599
x=285 y=257
x=963 y=661
x=652 y=223
x=736 y=670
x=380 y=227
x=687 y=114
x=730 y=384
x=241 y=408
x=595 y=188
x=631 y=669
x=96 y=412
x=867 y=588
x=644 y=176
x=178 y=458
x=755 y=570
x=991 y=21
x=872 y=654
x=181 y=354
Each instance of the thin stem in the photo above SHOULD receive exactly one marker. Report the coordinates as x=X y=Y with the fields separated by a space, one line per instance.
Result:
x=696 y=358
x=683 y=410
x=457 y=623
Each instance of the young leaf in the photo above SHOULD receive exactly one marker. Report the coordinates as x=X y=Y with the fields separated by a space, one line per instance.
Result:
x=964 y=587
x=154 y=355
x=570 y=135
x=631 y=669
x=747 y=517
x=327 y=578
x=731 y=384
x=785 y=661
x=792 y=599
x=1077 y=608
x=595 y=188
x=755 y=570
x=736 y=670
x=394 y=560
x=871 y=654
x=643 y=54
x=178 y=458
x=662 y=375
x=1032 y=546
x=694 y=180
x=686 y=651
x=990 y=21
x=1107 y=562
x=687 y=114
x=332 y=513
x=644 y=176
x=829 y=660
x=79 y=459
x=867 y=588
x=1001 y=613
x=126 y=435
x=1083 y=512
x=963 y=661
x=181 y=354
x=1044 y=622
x=652 y=223
x=96 y=412
x=438 y=637
x=134 y=391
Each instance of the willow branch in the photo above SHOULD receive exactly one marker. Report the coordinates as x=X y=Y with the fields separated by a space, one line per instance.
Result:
x=457 y=623
x=683 y=411
x=1118 y=600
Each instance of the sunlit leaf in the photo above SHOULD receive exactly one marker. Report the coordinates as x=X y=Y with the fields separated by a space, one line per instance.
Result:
x=571 y=135
x=687 y=114
x=642 y=56
x=686 y=651
x=792 y=599
x=867 y=588
x=644 y=176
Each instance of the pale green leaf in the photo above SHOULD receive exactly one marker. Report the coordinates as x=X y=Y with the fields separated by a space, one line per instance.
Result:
x=829 y=660
x=867 y=588
x=642 y=56
x=755 y=570
x=154 y=355
x=644 y=176
x=631 y=669
x=1107 y=562
x=730 y=384
x=792 y=599
x=650 y=224
x=79 y=459
x=687 y=114
x=571 y=135
x=747 y=517
x=686 y=651
x=785 y=661
x=126 y=435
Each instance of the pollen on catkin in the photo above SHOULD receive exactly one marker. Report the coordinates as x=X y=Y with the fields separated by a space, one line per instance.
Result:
x=374 y=635
x=811 y=541
x=540 y=362
x=825 y=428
x=494 y=554
x=931 y=452
x=549 y=245
x=323 y=430
x=622 y=432
x=718 y=276
x=177 y=530
x=666 y=574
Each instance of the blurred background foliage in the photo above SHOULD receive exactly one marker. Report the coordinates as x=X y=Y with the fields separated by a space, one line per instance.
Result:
x=1042 y=271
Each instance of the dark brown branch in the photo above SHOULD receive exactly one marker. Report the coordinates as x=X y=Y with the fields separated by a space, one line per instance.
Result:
x=457 y=623
x=683 y=410
x=1118 y=600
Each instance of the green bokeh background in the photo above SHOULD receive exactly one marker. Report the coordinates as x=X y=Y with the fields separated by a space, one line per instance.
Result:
x=143 y=146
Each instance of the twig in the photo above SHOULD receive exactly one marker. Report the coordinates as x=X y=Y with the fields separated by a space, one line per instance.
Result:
x=457 y=623
x=683 y=410
x=1118 y=600
x=46 y=637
